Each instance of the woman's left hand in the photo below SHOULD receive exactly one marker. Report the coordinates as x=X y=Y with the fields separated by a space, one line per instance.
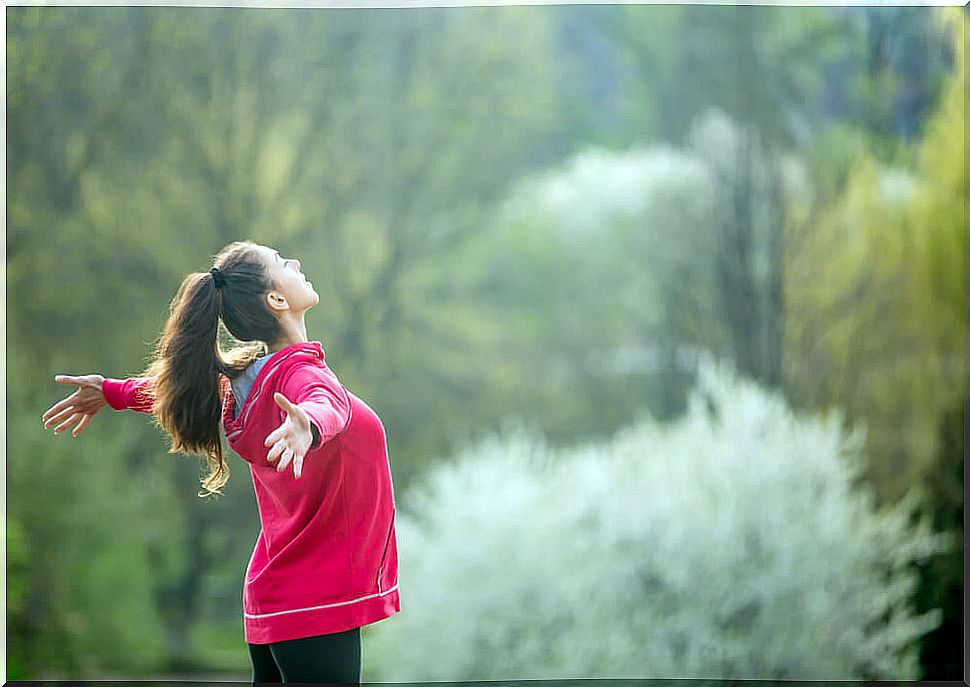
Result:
x=292 y=439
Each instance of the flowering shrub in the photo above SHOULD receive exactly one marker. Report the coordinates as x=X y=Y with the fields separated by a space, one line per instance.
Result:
x=734 y=543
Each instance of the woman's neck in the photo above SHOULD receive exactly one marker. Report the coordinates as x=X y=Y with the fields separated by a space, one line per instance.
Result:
x=294 y=331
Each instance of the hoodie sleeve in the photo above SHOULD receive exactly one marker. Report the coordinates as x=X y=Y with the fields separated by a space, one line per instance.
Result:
x=134 y=393
x=326 y=403
x=138 y=393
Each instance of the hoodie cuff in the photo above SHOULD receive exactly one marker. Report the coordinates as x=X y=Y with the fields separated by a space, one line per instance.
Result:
x=114 y=393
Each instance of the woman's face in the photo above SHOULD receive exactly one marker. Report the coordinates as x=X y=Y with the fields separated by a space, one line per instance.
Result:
x=293 y=292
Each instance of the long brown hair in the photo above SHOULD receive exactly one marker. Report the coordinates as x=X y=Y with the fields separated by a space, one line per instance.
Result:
x=188 y=360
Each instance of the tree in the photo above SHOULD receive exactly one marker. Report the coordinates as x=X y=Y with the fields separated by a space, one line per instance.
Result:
x=147 y=138
x=880 y=322
x=876 y=295
x=616 y=266
x=730 y=543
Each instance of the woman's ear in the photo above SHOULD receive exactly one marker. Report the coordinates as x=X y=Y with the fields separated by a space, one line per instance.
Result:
x=276 y=301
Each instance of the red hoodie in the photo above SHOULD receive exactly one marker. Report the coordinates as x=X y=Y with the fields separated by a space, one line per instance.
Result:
x=326 y=558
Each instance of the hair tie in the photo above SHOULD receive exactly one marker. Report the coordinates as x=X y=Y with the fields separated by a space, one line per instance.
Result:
x=217 y=277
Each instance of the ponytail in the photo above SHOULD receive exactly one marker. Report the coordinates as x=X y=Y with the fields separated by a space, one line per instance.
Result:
x=186 y=369
x=188 y=362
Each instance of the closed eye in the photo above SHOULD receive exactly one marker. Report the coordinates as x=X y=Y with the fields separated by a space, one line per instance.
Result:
x=286 y=263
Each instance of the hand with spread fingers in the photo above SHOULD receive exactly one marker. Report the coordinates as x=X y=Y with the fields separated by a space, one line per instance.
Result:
x=78 y=408
x=292 y=439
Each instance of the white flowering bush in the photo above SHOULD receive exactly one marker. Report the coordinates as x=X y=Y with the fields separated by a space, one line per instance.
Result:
x=731 y=544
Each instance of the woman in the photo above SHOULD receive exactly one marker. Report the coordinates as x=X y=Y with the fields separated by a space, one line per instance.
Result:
x=325 y=561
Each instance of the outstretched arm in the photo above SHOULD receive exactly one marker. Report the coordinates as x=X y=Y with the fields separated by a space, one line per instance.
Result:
x=92 y=394
x=317 y=413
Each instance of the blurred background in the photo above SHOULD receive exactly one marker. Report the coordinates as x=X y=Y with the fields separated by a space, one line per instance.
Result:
x=661 y=306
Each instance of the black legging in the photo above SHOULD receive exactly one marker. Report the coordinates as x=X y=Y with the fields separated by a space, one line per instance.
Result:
x=323 y=658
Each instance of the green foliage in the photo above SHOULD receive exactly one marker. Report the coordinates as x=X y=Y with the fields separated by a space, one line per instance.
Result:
x=634 y=260
x=79 y=590
x=146 y=138
x=941 y=578
x=875 y=288
x=876 y=292
x=732 y=543
x=16 y=582
x=381 y=146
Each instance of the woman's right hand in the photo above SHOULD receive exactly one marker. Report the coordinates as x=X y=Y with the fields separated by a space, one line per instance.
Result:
x=78 y=408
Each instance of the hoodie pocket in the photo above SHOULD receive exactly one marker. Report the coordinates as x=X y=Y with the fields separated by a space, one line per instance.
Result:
x=385 y=557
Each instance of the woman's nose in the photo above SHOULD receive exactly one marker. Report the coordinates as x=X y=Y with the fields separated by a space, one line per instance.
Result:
x=299 y=267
